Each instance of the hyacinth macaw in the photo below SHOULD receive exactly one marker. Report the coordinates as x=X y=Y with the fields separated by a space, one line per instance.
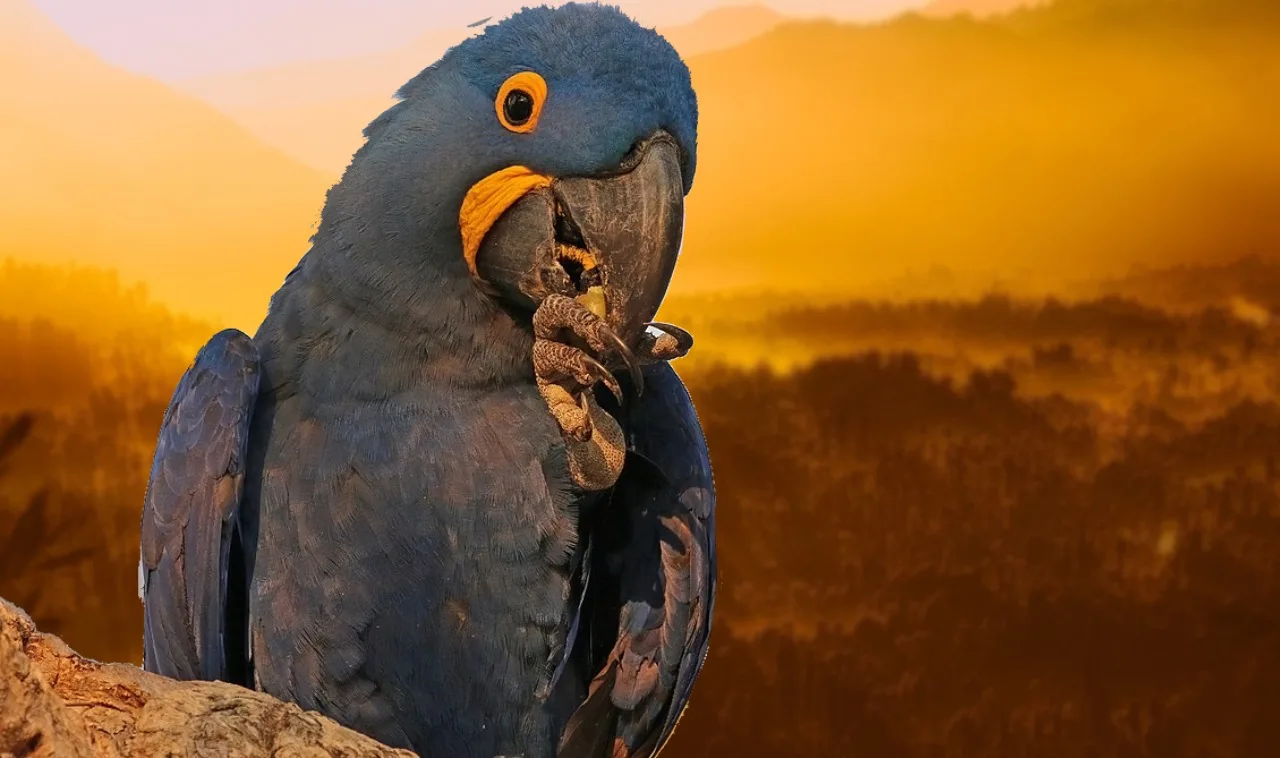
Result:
x=451 y=494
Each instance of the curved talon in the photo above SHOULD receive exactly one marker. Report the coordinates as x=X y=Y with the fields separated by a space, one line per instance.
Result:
x=604 y=375
x=559 y=312
x=683 y=338
x=628 y=357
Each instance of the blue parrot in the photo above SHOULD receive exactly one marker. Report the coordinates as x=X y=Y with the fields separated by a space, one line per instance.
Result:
x=451 y=493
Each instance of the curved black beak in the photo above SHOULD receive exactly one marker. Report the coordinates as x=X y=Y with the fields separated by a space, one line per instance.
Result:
x=632 y=222
x=610 y=240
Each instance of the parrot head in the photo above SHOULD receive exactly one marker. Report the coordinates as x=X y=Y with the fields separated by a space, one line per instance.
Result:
x=550 y=154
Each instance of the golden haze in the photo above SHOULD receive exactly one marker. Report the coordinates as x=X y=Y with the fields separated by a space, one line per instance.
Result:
x=106 y=168
x=316 y=111
x=1024 y=151
x=976 y=8
x=1034 y=151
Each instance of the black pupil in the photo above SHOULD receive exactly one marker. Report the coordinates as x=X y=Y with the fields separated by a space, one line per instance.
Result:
x=518 y=107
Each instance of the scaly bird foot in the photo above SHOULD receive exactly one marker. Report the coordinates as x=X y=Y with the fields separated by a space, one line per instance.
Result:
x=564 y=375
x=560 y=318
x=593 y=440
x=663 y=342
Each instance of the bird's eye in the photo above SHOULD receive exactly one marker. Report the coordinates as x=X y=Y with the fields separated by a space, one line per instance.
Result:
x=520 y=101
x=518 y=107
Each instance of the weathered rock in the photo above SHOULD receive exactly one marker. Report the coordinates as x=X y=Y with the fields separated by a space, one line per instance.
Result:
x=56 y=704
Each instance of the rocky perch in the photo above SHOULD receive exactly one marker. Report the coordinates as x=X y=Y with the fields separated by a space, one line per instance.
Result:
x=55 y=704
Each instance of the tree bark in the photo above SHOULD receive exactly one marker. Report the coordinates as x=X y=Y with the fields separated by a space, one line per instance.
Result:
x=56 y=704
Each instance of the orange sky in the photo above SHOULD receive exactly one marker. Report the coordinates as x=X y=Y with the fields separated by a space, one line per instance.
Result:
x=172 y=40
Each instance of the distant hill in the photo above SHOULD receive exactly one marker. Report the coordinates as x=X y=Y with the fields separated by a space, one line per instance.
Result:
x=107 y=168
x=721 y=29
x=1056 y=144
x=316 y=111
x=1065 y=143
x=1053 y=146
x=976 y=8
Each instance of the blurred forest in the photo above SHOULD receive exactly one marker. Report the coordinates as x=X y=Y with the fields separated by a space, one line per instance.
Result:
x=993 y=527
x=83 y=386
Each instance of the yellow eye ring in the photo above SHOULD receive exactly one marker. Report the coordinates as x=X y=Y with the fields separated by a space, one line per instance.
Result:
x=519 y=102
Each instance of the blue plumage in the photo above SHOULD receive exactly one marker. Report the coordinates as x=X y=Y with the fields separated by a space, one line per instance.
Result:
x=403 y=543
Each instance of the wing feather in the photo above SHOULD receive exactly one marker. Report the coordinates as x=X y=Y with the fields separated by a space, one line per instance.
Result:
x=657 y=533
x=191 y=515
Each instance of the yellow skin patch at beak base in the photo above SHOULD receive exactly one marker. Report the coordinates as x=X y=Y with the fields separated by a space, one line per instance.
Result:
x=487 y=200
x=485 y=203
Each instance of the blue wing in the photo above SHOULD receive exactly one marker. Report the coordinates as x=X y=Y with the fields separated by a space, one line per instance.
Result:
x=653 y=585
x=192 y=582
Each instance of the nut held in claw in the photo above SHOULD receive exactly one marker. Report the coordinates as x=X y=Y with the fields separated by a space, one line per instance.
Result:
x=593 y=300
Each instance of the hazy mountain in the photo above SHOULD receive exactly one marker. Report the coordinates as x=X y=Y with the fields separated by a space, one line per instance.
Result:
x=1045 y=149
x=316 y=111
x=104 y=167
x=1058 y=144
x=1194 y=16
x=172 y=40
x=721 y=29
x=976 y=8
